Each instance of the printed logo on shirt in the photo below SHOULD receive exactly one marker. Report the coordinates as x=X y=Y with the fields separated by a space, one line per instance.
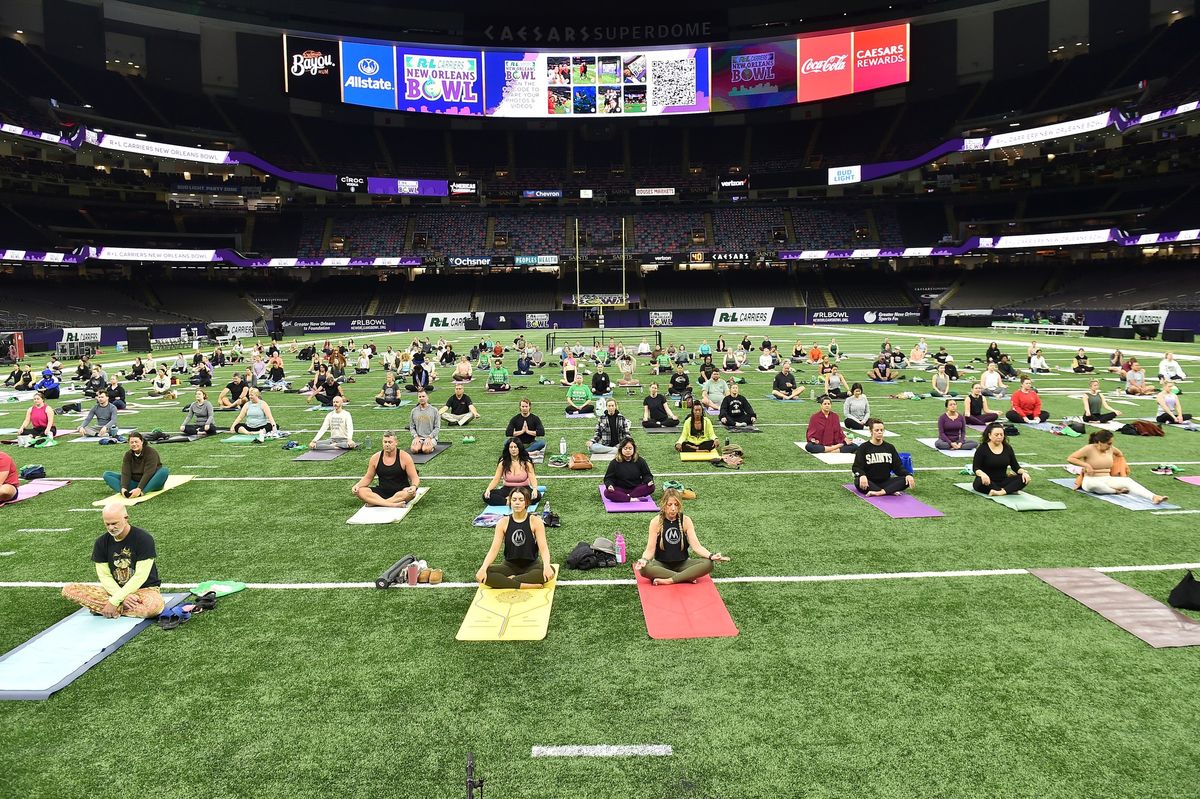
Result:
x=671 y=535
x=518 y=538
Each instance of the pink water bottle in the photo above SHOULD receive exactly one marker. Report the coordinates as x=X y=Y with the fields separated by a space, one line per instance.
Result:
x=620 y=548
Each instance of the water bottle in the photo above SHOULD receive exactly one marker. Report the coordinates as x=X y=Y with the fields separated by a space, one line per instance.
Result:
x=367 y=445
x=620 y=548
x=562 y=446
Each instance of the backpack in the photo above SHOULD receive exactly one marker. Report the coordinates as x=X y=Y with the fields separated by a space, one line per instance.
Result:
x=579 y=462
x=1186 y=595
x=584 y=558
x=33 y=471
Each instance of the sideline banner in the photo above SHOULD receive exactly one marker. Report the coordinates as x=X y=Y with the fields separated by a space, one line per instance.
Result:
x=1144 y=317
x=239 y=329
x=662 y=319
x=743 y=317
x=859 y=316
x=81 y=335
x=537 y=320
x=448 y=321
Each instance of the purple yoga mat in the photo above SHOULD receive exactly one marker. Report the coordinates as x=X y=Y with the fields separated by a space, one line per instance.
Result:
x=898 y=506
x=644 y=505
x=35 y=487
x=1189 y=480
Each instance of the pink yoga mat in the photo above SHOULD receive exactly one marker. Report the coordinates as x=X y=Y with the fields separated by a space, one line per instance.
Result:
x=898 y=506
x=644 y=505
x=685 y=610
x=1190 y=480
x=35 y=487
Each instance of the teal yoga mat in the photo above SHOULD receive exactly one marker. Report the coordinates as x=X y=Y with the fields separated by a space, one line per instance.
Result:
x=1020 y=502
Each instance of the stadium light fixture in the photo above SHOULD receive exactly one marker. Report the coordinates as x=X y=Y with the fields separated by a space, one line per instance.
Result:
x=21 y=32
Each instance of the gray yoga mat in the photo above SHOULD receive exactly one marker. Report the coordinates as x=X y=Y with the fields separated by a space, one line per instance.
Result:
x=321 y=455
x=426 y=457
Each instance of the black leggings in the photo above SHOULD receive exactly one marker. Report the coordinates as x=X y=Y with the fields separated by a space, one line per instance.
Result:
x=1011 y=485
x=666 y=421
x=384 y=403
x=853 y=423
x=53 y=431
x=817 y=449
x=247 y=429
x=1099 y=417
x=589 y=408
x=892 y=485
x=510 y=574
x=194 y=429
x=703 y=446
x=1166 y=418
x=1017 y=418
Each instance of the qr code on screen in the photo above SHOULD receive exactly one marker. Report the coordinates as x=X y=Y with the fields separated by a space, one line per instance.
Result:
x=673 y=82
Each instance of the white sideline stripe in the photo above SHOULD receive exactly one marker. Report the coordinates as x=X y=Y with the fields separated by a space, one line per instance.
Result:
x=6 y=554
x=45 y=529
x=797 y=578
x=84 y=510
x=1171 y=512
x=604 y=750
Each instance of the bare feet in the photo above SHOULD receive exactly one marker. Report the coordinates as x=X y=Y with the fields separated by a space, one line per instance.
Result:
x=876 y=493
x=1159 y=500
x=663 y=581
x=1122 y=490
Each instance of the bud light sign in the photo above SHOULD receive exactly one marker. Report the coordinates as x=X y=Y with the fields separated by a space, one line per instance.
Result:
x=441 y=81
x=369 y=74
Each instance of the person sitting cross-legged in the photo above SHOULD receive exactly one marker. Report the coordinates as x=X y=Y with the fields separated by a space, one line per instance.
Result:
x=680 y=384
x=526 y=561
x=39 y=419
x=697 y=434
x=141 y=470
x=997 y=472
x=340 y=426
x=835 y=384
x=48 y=386
x=1135 y=381
x=527 y=428
x=628 y=475
x=952 y=429
x=881 y=369
x=101 y=420
x=665 y=559
x=1170 y=407
x=124 y=558
x=425 y=425
x=877 y=467
x=397 y=474
x=856 y=409
x=655 y=410
x=715 y=390
x=458 y=408
x=1095 y=406
x=825 y=432
x=199 y=419
x=601 y=382
x=1026 y=405
x=978 y=411
x=736 y=410
x=784 y=385
x=579 y=397
x=1079 y=363
x=234 y=395
x=611 y=429
x=498 y=376
x=389 y=393
x=255 y=417
x=1169 y=368
x=514 y=469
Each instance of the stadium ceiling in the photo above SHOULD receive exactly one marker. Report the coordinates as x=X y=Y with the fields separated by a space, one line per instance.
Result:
x=470 y=20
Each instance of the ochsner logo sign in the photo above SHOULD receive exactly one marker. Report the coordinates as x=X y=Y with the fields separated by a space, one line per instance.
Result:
x=743 y=317
x=448 y=321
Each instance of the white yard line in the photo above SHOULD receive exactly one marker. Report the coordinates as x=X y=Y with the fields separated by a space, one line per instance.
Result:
x=604 y=750
x=45 y=529
x=809 y=578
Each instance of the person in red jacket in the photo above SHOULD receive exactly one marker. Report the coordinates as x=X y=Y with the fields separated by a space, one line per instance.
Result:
x=825 y=432
x=1026 y=405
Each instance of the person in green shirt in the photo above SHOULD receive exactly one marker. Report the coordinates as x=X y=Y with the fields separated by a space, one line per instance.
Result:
x=662 y=363
x=497 y=376
x=579 y=397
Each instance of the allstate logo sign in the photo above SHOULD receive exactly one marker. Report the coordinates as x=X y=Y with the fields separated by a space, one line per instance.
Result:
x=368 y=66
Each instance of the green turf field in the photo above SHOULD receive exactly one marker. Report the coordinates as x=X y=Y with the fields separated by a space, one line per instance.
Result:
x=932 y=685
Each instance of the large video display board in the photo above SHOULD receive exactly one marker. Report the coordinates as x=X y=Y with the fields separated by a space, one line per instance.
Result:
x=635 y=82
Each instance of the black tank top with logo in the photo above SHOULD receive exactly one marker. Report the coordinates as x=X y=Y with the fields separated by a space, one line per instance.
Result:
x=392 y=477
x=975 y=405
x=520 y=547
x=672 y=546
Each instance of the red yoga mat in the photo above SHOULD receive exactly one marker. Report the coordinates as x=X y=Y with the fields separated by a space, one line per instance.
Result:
x=685 y=610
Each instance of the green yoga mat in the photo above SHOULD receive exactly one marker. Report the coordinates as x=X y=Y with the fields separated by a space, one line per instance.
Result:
x=1022 y=501
x=220 y=587
x=240 y=438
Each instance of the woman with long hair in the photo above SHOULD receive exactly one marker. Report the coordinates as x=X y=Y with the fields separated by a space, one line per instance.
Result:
x=628 y=475
x=526 y=561
x=513 y=470
x=1104 y=470
x=997 y=472
x=665 y=559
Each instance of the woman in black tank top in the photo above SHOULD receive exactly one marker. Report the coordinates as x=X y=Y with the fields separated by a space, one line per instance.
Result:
x=665 y=559
x=526 y=561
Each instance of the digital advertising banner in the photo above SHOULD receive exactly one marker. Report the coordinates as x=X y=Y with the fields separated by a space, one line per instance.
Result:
x=759 y=75
x=645 y=83
x=311 y=68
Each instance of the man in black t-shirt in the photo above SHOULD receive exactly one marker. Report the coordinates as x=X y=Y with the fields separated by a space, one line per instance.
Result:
x=656 y=412
x=527 y=428
x=601 y=382
x=234 y=394
x=875 y=463
x=784 y=385
x=124 y=559
x=458 y=408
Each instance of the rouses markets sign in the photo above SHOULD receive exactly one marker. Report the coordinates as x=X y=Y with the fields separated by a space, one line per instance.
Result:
x=743 y=317
x=448 y=321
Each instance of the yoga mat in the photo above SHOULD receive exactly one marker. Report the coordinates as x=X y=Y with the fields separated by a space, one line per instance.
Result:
x=830 y=458
x=643 y=505
x=372 y=514
x=93 y=439
x=426 y=457
x=321 y=455
x=240 y=438
x=174 y=481
x=1126 y=501
x=778 y=399
x=491 y=513
x=684 y=610
x=8 y=431
x=1111 y=426
x=713 y=411
x=1020 y=502
x=1141 y=616
x=1195 y=481
x=35 y=487
x=55 y=657
x=710 y=455
x=953 y=453
x=898 y=506
x=507 y=614
x=579 y=416
x=650 y=431
x=741 y=430
x=850 y=431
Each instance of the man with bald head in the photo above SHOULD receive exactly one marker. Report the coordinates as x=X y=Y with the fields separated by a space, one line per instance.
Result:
x=124 y=559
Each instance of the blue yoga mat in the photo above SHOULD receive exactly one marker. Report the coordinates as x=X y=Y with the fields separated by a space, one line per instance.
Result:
x=55 y=657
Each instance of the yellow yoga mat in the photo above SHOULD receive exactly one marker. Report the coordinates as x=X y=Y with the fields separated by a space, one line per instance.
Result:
x=506 y=614
x=699 y=456
x=174 y=481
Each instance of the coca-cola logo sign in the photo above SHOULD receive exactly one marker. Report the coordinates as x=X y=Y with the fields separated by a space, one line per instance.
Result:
x=834 y=63
x=312 y=62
